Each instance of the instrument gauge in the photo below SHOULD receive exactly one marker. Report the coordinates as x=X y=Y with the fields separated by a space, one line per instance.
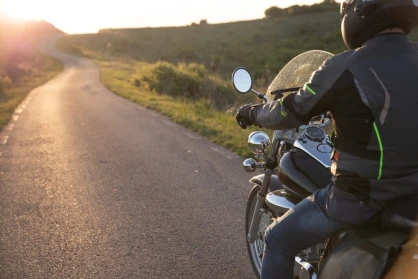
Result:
x=324 y=148
x=314 y=133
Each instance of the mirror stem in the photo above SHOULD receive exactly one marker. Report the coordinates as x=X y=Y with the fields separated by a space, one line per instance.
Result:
x=261 y=96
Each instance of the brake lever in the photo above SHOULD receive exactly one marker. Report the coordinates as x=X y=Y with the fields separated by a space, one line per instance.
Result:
x=277 y=94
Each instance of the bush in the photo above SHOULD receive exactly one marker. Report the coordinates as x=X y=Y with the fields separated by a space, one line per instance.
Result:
x=5 y=81
x=15 y=71
x=274 y=12
x=189 y=81
x=174 y=80
x=326 y=5
x=137 y=82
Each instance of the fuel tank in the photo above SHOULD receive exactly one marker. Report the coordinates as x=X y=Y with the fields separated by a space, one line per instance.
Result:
x=302 y=173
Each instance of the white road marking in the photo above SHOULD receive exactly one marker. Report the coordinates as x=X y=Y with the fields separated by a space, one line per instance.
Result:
x=15 y=117
x=4 y=139
x=19 y=110
x=224 y=154
x=23 y=106
x=191 y=135
x=10 y=127
x=154 y=114
x=169 y=123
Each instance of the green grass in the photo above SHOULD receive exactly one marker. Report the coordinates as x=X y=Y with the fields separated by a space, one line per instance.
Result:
x=184 y=72
x=198 y=114
x=36 y=73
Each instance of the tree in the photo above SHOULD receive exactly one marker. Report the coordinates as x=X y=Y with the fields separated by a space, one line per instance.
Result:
x=273 y=12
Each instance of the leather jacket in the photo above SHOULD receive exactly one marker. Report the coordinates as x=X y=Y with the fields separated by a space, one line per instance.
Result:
x=372 y=95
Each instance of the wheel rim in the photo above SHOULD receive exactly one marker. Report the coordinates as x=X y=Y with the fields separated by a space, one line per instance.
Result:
x=257 y=248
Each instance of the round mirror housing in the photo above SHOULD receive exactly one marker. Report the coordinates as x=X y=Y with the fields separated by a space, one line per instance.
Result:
x=250 y=165
x=258 y=142
x=242 y=80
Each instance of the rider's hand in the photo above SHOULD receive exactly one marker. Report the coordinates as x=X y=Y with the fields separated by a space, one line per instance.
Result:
x=244 y=117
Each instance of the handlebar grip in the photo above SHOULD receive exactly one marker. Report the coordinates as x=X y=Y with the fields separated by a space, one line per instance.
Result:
x=243 y=124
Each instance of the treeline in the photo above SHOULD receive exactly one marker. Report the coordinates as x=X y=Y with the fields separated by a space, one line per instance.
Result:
x=326 y=5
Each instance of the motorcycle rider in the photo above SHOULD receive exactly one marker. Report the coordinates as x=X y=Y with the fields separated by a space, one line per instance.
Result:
x=369 y=90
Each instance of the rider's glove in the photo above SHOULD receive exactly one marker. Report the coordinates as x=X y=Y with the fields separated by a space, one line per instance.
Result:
x=244 y=115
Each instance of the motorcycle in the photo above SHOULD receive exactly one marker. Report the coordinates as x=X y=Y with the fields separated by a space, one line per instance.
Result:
x=297 y=163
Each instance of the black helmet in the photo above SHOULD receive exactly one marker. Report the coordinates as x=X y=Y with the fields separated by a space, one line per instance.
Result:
x=362 y=19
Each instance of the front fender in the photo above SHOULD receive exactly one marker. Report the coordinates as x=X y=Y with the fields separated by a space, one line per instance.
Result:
x=274 y=182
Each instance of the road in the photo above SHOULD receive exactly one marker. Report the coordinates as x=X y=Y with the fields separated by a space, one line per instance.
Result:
x=93 y=186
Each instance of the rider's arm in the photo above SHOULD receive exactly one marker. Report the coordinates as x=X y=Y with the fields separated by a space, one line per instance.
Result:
x=315 y=98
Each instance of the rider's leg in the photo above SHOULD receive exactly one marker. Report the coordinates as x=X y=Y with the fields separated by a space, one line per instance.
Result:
x=303 y=226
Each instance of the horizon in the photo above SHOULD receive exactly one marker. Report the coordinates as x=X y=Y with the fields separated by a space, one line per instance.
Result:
x=80 y=17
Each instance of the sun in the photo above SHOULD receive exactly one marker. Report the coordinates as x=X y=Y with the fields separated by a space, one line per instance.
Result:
x=22 y=9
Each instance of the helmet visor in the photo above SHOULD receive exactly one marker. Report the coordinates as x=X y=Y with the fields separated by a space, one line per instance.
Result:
x=345 y=5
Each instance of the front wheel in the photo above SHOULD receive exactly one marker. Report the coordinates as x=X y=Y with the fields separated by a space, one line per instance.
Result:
x=256 y=249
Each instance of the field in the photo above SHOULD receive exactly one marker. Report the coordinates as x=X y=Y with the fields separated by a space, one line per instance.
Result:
x=22 y=67
x=263 y=46
x=184 y=72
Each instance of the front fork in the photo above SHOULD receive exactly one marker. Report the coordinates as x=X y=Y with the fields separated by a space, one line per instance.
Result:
x=259 y=208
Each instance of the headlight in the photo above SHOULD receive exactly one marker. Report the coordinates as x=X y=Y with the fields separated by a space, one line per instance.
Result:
x=258 y=142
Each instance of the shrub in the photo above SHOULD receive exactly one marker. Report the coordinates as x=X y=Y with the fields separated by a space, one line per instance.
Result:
x=5 y=81
x=137 y=82
x=326 y=5
x=15 y=72
x=190 y=81
x=197 y=69
x=273 y=12
x=173 y=80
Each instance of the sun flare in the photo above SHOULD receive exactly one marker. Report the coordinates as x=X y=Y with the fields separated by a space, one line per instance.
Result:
x=22 y=9
x=81 y=16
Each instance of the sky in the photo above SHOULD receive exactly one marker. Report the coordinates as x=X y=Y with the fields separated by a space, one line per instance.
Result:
x=88 y=16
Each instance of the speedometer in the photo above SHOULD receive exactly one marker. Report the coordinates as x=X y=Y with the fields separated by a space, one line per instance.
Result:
x=315 y=133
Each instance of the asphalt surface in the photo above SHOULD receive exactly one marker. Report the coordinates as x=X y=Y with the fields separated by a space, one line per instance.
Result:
x=93 y=186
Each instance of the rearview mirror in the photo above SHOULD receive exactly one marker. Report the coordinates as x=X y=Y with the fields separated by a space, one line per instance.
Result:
x=242 y=80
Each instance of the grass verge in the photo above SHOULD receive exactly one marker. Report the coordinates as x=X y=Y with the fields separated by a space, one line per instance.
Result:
x=199 y=115
x=40 y=71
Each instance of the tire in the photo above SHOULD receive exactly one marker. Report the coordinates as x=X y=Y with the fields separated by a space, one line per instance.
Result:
x=256 y=249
